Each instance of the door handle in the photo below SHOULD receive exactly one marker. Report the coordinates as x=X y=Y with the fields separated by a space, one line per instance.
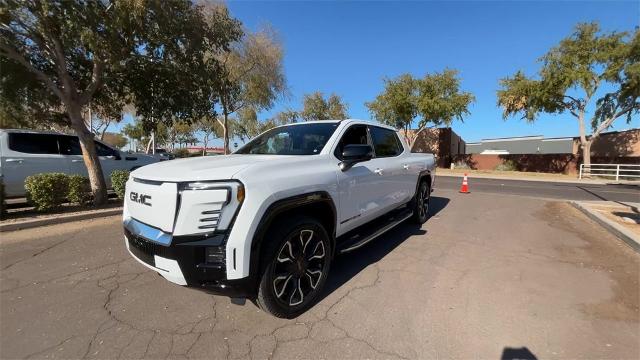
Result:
x=378 y=171
x=19 y=161
x=76 y=160
x=405 y=166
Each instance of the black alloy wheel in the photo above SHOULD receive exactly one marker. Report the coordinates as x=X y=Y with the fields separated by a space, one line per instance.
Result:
x=298 y=269
x=421 y=203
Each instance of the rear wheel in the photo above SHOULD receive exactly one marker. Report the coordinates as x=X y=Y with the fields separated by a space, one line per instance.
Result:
x=421 y=203
x=297 y=263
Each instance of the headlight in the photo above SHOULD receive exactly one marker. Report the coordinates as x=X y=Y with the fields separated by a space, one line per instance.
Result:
x=207 y=206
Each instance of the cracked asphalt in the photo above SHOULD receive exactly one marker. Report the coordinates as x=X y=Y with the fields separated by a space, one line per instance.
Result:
x=487 y=277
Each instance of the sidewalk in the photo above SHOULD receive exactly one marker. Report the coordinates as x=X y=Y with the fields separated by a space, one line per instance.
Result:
x=527 y=176
x=621 y=219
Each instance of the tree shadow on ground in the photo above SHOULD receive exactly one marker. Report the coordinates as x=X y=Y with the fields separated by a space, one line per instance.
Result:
x=345 y=267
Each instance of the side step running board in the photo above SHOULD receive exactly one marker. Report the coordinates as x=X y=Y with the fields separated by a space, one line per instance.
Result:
x=373 y=230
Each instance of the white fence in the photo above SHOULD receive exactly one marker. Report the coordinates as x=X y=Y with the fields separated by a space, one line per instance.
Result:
x=617 y=171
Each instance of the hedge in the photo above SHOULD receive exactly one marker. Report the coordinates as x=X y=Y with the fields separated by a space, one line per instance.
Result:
x=79 y=191
x=118 y=180
x=47 y=191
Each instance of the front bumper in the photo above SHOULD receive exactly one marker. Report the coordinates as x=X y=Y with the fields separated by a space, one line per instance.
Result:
x=194 y=261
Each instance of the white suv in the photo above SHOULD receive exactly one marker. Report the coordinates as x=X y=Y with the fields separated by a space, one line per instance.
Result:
x=265 y=222
x=29 y=152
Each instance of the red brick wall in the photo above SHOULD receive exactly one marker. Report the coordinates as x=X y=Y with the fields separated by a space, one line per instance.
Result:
x=549 y=163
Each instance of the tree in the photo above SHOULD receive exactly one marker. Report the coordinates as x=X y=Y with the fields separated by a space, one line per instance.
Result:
x=184 y=133
x=134 y=132
x=66 y=54
x=434 y=99
x=316 y=107
x=286 y=117
x=115 y=139
x=248 y=126
x=571 y=76
x=209 y=128
x=254 y=77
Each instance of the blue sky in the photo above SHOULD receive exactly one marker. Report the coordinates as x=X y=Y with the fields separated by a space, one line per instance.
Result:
x=348 y=47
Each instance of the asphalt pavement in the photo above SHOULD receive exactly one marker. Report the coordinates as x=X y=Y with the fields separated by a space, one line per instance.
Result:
x=545 y=189
x=486 y=277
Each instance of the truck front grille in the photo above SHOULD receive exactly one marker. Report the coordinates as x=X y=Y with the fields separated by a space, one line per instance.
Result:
x=144 y=249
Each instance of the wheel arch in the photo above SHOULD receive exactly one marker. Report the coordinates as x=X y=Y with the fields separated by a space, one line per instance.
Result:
x=422 y=176
x=318 y=204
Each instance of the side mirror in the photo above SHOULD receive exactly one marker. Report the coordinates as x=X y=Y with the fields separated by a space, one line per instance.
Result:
x=353 y=154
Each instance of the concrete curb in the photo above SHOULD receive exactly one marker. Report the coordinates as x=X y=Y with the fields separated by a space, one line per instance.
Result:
x=625 y=235
x=60 y=219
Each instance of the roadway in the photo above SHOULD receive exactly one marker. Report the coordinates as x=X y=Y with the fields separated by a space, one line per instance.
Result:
x=544 y=189
x=487 y=276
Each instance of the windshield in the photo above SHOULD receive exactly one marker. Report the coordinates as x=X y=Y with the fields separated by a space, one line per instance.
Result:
x=305 y=139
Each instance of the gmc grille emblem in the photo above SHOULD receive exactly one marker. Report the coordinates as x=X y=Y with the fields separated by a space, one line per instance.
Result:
x=140 y=198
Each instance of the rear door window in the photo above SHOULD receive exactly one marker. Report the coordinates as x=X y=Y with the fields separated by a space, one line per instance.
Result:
x=30 y=143
x=385 y=142
x=69 y=145
x=104 y=150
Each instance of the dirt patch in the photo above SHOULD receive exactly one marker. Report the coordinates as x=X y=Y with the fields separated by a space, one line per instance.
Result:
x=600 y=252
x=623 y=215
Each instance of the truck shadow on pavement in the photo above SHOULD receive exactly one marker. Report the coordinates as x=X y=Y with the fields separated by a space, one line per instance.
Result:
x=345 y=267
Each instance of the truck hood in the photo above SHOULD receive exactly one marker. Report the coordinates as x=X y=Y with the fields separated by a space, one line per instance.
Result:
x=204 y=168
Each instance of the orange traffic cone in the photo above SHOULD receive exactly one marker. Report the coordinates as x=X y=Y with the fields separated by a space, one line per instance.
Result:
x=464 y=189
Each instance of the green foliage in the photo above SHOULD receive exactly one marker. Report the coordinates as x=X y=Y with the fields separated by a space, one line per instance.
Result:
x=286 y=117
x=79 y=189
x=316 y=107
x=46 y=191
x=397 y=104
x=118 y=181
x=248 y=126
x=181 y=153
x=507 y=165
x=253 y=77
x=115 y=139
x=571 y=75
x=159 y=56
x=435 y=99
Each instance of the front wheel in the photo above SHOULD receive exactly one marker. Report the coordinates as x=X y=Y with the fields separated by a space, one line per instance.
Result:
x=298 y=257
x=421 y=203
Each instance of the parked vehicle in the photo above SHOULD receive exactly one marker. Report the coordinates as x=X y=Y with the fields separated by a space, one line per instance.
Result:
x=29 y=152
x=265 y=222
x=162 y=155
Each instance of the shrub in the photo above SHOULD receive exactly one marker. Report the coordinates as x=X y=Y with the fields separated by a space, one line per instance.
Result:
x=79 y=191
x=3 y=205
x=181 y=153
x=461 y=165
x=507 y=165
x=46 y=191
x=118 y=180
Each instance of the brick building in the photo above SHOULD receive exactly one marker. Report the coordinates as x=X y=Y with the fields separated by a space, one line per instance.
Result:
x=443 y=142
x=529 y=153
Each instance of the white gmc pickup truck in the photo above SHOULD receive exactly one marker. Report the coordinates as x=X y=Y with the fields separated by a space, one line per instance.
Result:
x=265 y=222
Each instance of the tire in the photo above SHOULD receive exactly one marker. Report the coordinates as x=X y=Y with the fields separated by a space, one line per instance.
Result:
x=296 y=265
x=421 y=203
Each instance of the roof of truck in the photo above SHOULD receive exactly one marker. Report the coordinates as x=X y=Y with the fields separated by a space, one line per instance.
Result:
x=31 y=131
